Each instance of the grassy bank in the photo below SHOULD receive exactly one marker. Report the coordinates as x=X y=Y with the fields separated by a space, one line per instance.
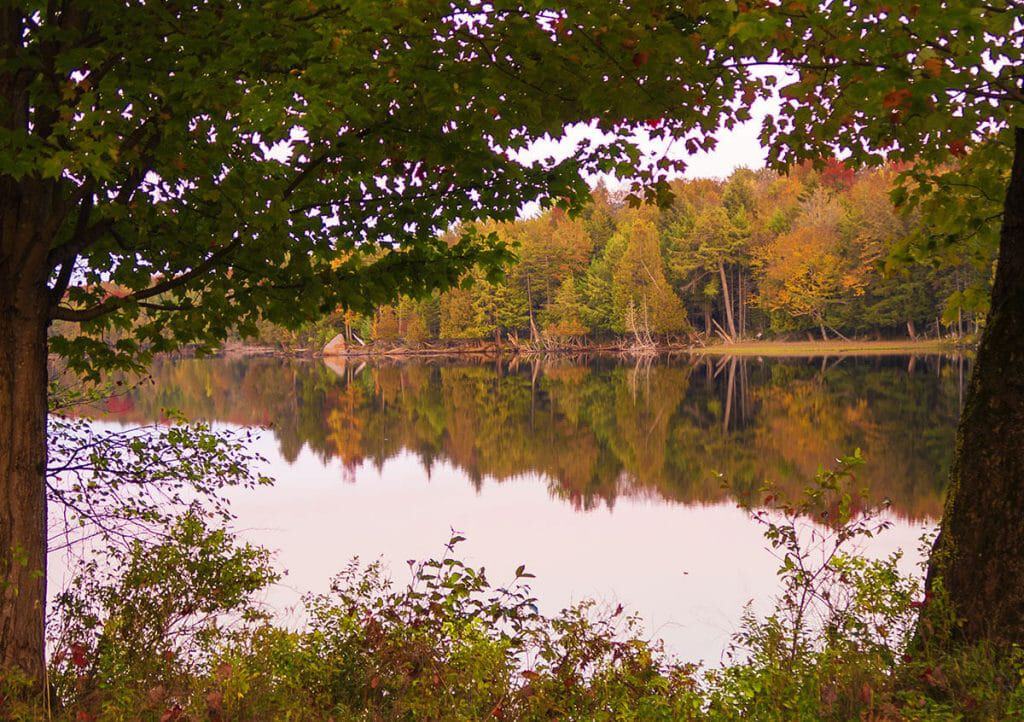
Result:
x=829 y=348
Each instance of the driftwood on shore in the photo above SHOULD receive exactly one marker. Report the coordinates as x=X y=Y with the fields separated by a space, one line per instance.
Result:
x=504 y=348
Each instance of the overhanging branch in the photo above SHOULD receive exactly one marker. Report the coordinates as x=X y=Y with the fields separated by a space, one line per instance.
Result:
x=63 y=313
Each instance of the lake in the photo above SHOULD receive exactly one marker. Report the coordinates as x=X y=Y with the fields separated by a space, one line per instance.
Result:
x=606 y=477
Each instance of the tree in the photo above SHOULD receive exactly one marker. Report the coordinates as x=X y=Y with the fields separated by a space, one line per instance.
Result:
x=565 y=312
x=458 y=317
x=599 y=216
x=639 y=283
x=499 y=308
x=711 y=245
x=552 y=247
x=935 y=85
x=599 y=307
x=803 y=277
x=223 y=163
x=896 y=294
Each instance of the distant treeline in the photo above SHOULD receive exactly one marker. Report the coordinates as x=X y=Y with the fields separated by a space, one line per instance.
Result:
x=816 y=252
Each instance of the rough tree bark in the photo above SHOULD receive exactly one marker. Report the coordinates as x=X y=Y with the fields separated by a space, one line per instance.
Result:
x=24 y=318
x=979 y=555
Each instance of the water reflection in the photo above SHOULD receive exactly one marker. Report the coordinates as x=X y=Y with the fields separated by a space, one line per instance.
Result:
x=595 y=431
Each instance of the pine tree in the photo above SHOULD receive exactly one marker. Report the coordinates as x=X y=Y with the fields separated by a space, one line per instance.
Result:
x=564 y=315
x=638 y=278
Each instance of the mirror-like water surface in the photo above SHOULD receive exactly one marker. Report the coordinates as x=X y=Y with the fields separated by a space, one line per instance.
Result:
x=604 y=477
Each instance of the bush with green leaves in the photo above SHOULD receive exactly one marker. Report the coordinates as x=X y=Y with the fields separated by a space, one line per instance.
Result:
x=841 y=622
x=135 y=629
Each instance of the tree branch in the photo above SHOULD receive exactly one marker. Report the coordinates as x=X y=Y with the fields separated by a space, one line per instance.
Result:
x=63 y=313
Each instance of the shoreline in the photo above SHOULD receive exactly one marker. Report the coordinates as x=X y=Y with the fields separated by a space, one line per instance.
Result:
x=776 y=349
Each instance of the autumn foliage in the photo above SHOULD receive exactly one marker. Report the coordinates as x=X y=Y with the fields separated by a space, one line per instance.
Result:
x=822 y=250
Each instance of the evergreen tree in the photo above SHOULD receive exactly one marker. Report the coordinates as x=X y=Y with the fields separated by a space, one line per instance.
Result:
x=638 y=282
x=500 y=308
x=564 y=316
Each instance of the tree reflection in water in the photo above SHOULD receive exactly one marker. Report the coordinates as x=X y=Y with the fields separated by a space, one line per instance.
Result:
x=595 y=429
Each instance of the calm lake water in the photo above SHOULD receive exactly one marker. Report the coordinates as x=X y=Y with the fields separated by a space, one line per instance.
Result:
x=604 y=477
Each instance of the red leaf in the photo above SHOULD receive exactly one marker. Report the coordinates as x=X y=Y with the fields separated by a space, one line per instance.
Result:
x=896 y=99
x=933 y=67
x=171 y=714
x=78 y=655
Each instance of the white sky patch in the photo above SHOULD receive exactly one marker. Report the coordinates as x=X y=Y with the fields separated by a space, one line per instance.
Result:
x=737 y=148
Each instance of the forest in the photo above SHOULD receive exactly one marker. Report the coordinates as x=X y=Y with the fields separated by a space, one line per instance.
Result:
x=819 y=252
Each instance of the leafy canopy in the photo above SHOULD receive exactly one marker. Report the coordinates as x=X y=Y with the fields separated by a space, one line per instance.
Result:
x=194 y=167
x=201 y=165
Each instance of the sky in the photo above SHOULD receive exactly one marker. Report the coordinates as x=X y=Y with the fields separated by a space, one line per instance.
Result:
x=736 y=148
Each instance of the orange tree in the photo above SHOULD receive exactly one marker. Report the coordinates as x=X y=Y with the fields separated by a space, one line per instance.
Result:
x=173 y=170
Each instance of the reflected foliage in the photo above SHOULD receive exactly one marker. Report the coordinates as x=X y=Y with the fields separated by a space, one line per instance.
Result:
x=668 y=429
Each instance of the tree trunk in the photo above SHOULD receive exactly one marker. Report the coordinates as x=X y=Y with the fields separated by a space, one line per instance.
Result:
x=23 y=388
x=730 y=388
x=979 y=556
x=743 y=304
x=959 y=309
x=727 y=301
